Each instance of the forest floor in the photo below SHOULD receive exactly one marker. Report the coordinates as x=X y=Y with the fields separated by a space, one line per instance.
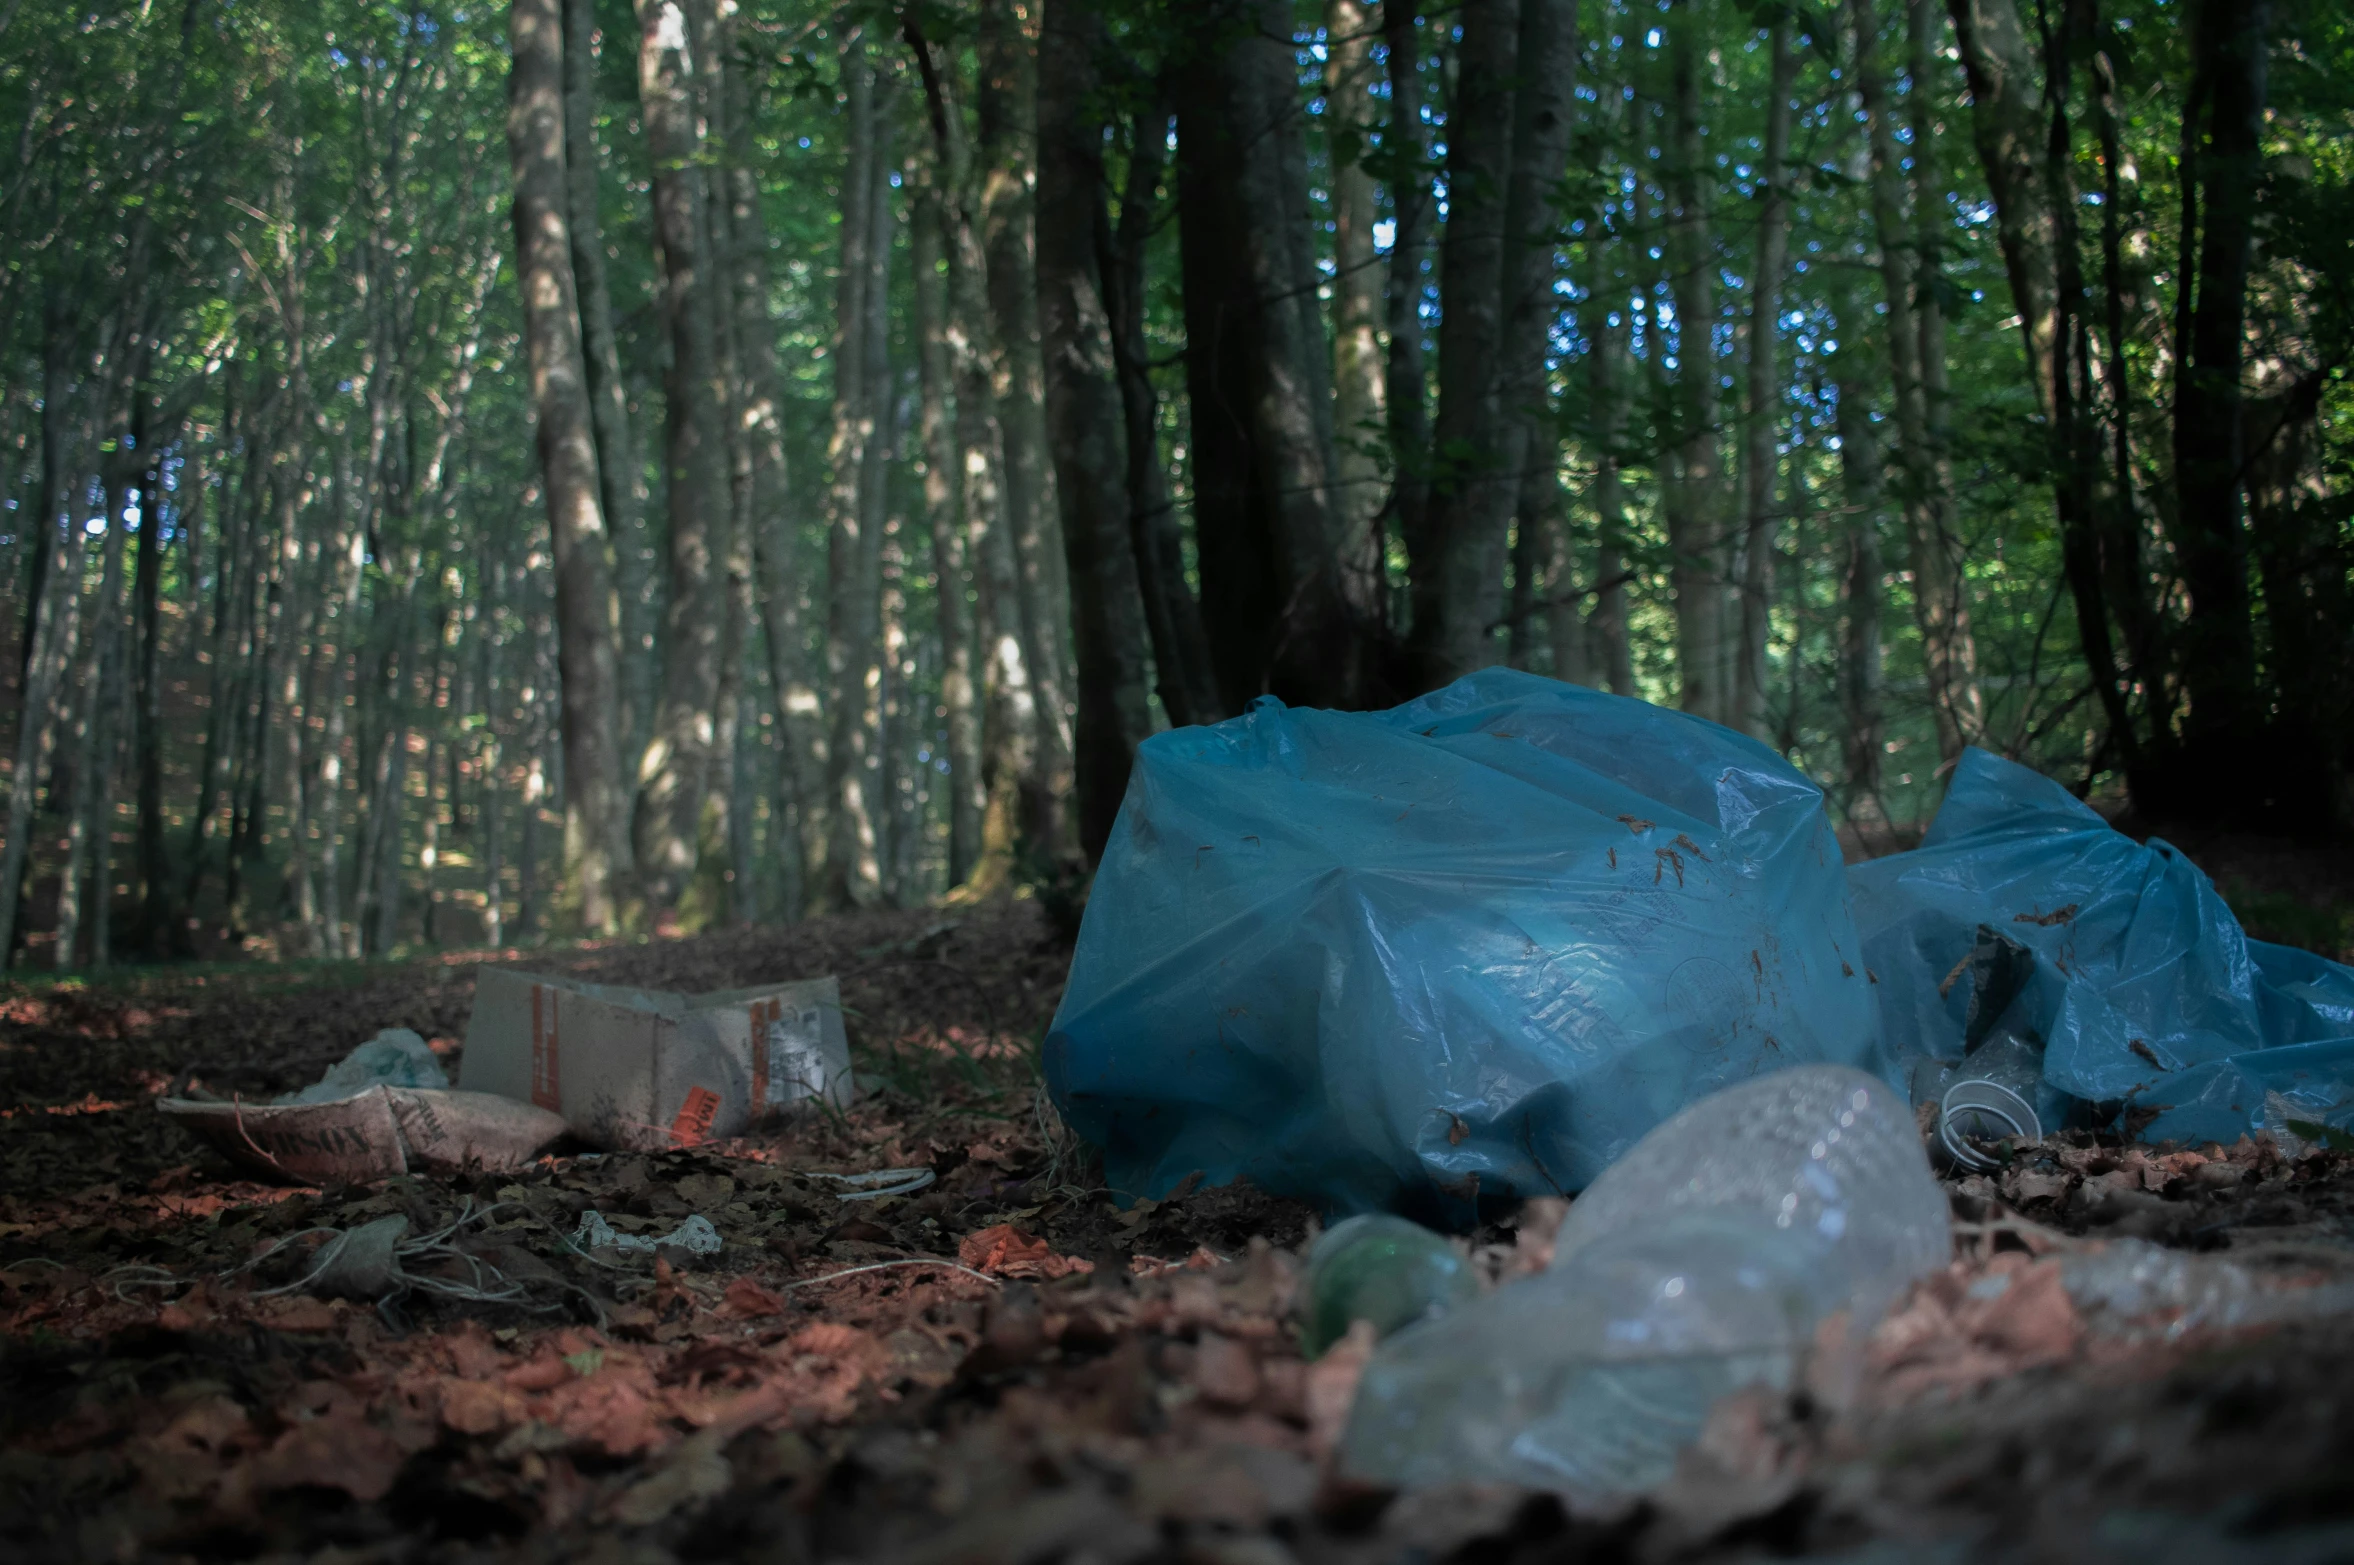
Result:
x=1095 y=1384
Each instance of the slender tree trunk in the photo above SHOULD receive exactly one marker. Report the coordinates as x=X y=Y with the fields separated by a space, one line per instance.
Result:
x=677 y=767
x=1180 y=647
x=1357 y=307
x=943 y=503
x=1861 y=738
x=1083 y=420
x=53 y=623
x=1697 y=500
x=1763 y=420
x=1007 y=124
x=155 y=895
x=88 y=823
x=1609 y=651
x=595 y=830
x=1405 y=378
x=852 y=871
x=1009 y=720
x=1940 y=597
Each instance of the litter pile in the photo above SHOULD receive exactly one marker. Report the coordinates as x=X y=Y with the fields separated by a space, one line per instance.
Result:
x=620 y=1068
x=1519 y=938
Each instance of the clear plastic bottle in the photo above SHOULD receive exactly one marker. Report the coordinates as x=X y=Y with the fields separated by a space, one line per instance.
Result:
x=1704 y=1260
x=1381 y=1269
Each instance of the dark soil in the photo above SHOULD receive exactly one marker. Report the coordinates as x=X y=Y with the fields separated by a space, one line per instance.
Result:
x=1122 y=1385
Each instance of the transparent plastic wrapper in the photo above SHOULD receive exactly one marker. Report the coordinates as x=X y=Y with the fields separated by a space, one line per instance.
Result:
x=1475 y=945
x=1755 y=1226
x=2024 y=918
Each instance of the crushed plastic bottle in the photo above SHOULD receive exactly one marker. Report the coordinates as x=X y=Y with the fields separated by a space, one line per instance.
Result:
x=2132 y=1289
x=1707 y=1259
x=1381 y=1269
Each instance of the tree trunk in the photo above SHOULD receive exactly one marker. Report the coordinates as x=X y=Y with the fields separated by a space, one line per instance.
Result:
x=1009 y=717
x=1456 y=558
x=1006 y=108
x=52 y=622
x=1180 y=647
x=852 y=876
x=1609 y=651
x=1284 y=612
x=1940 y=596
x=943 y=505
x=88 y=826
x=155 y=894
x=1697 y=498
x=1763 y=414
x=595 y=834
x=2223 y=129
x=621 y=469
x=1083 y=421
x=1405 y=377
x=1861 y=739
x=1357 y=367
x=677 y=767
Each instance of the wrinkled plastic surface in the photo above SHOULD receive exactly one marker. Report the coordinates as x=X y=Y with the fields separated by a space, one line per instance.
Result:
x=2023 y=911
x=1476 y=944
x=1704 y=1260
x=1381 y=1269
x=395 y=1057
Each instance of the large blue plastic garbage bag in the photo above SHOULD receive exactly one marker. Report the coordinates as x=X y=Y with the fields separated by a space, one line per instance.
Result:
x=1474 y=945
x=2024 y=912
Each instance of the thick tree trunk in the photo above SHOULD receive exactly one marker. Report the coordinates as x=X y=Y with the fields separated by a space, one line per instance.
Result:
x=595 y=814
x=2223 y=131
x=1083 y=420
x=1763 y=414
x=677 y=767
x=1180 y=647
x=1284 y=612
x=1456 y=557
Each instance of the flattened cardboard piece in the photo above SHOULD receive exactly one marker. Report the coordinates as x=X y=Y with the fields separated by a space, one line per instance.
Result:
x=450 y=1132
x=353 y=1139
x=645 y=1070
x=373 y=1134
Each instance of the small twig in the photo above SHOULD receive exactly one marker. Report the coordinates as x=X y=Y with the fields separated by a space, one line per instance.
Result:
x=876 y=1266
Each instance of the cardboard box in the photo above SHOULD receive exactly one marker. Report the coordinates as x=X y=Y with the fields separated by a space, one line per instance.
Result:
x=645 y=1070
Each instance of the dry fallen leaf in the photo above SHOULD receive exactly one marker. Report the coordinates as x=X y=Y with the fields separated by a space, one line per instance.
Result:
x=1006 y=1251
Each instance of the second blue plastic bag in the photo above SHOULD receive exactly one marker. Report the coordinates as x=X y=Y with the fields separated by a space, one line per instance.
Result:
x=2022 y=910
x=1475 y=945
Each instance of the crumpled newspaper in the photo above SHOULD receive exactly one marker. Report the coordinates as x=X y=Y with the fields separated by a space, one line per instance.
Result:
x=696 y=1236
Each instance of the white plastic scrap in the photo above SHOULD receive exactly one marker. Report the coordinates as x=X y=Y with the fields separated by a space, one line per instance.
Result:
x=875 y=1186
x=696 y=1236
x=395 y=1057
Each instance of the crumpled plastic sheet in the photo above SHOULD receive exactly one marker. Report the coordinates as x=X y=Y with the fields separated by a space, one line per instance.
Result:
x=2022 y=911
x=1475 y=945
x=395 y=1057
